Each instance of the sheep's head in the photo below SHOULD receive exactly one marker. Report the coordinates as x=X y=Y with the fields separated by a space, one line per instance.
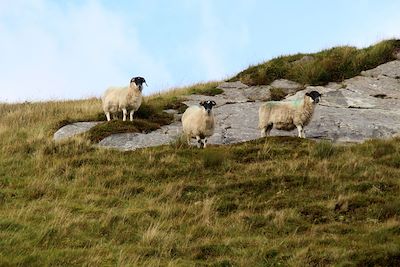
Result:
x=315 y=96
x=139 y=81
x=208 y=105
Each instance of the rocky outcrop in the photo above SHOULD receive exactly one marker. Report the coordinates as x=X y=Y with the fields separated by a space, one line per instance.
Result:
x=360 y=108
x=73 y=129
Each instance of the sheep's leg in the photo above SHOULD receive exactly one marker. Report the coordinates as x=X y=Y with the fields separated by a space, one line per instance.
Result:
x=115 y=116
x=205 y=143
x=263 y=132
x=124 y=112
x=188 y=139
x=301 y=131
x=108 y=116
x=131 y=115
x=266 y=130
x=199 y=142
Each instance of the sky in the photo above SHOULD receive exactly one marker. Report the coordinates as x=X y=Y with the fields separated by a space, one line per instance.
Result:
x=53 y=49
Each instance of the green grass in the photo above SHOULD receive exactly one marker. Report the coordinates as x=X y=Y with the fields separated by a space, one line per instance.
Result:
x=331 y=65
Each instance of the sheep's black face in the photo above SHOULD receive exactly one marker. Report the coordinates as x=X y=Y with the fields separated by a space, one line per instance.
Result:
x=139 y=81
x=315 y=96
x=208 y=105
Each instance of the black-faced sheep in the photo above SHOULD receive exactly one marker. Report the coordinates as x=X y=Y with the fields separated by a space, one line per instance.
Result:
x=198 y=122
x=117 y=99
x=288 y=115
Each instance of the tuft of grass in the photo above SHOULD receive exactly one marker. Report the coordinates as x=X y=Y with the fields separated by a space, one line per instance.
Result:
x=277 y=94
x=213 y=159
x=324 y=150
x=331 y=65
x=180 y=142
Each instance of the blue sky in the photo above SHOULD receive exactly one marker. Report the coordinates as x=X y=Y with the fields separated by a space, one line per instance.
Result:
x=74 y=49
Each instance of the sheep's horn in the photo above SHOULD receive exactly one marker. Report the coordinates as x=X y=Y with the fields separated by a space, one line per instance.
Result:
x=146 y=84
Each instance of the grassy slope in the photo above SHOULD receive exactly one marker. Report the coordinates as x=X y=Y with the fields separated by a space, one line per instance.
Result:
x=331 y=65
x=268 y=202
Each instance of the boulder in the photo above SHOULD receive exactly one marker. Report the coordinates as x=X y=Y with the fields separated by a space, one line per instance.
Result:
x=289 y=87
x=74 y=129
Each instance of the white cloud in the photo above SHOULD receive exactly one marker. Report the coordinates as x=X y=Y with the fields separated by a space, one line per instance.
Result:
x=70 y=51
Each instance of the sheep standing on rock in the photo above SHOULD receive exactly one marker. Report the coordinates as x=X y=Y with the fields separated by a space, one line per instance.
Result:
x=198 y=122
x=123 y=99
x=288 y=115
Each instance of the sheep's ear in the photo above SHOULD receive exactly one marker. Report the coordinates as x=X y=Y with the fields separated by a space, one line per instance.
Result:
x=308 y=94
x=202 y=103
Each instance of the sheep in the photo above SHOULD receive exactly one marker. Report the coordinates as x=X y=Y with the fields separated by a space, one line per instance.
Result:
x=198 y=122
x=129 y=98
x=287 y=115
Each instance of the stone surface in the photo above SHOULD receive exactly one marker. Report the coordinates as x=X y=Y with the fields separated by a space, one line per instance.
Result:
x=74 y=129
x=390 y=69
x=132 y=141
x=286 y=85
x=258 y=93
x=360 y=108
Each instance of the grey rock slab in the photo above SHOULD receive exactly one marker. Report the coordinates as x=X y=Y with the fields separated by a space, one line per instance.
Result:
x=257 y=93
x=390 y=69
x=235 y=123
x=74 y=129
x=133 y=141
x=230 y=95
x=352 y=125
x=367 y=92
x=286 y=85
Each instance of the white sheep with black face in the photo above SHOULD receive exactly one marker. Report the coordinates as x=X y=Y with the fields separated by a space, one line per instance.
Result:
x=198 y=122
x=116 y=99
x=288 y=115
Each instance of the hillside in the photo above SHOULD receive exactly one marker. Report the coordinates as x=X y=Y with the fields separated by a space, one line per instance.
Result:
x=267 y=202
x=331 y=65
x=356 y=109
